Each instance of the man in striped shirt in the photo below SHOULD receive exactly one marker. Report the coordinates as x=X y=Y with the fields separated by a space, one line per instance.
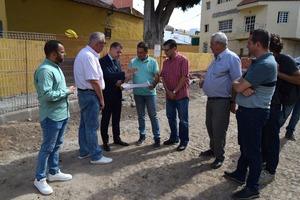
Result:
x=175 y=77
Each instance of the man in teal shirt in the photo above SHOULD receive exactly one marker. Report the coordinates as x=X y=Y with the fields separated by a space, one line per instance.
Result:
x=147 y=71
x=53 y=95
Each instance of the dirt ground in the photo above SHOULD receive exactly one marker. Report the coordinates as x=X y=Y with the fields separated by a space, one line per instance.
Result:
x=137 y=172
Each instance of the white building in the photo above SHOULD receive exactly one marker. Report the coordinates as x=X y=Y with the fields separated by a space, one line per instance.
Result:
x=237 y=18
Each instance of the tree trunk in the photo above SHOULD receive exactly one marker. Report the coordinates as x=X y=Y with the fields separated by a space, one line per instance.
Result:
x=156 y=20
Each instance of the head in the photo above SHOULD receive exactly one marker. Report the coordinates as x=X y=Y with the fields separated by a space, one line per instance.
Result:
x=218 y=43
x=142 y=50
x=258 y=42
x=170 y=48
x=54 y=51
x=276 y=44
x=97 y=41
x=115 y=50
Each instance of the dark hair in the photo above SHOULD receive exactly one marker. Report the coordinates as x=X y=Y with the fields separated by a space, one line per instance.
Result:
x=261 y=36
x=171 y=43
x=143 y=45
x=276 y=44
x=115 y=45
x=51 y=46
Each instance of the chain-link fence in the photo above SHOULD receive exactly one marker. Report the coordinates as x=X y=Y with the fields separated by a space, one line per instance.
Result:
x=21 y=53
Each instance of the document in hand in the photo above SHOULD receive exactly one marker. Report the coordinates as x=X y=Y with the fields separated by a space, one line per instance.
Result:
x=128 y=86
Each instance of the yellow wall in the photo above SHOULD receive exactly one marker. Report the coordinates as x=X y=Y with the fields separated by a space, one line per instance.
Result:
x=55 y=16
x=3 y=14
x=17 y=57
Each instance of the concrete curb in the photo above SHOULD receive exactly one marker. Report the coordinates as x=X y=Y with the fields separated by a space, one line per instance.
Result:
x=30 y=114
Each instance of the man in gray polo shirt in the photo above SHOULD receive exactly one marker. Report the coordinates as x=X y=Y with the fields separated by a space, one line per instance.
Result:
x=253 y=112
x=217 y=85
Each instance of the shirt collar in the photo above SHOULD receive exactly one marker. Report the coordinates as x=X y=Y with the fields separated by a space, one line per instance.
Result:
x=51 y=62
x=220 y=56
x=145 y=60
x=93 y=51
x=264 y=56
x=111 y=58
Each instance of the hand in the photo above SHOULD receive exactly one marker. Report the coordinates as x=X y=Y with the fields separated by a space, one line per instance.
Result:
x=248 y=92
x=152 y=86
x=102 y=104
x=119 y=83
x=72 y=89
x=201 y=81
x=246 y=62
x=171 y=95
x=129 y=74
x=233 y=107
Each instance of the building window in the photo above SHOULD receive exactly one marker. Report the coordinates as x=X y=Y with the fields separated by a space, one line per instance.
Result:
x=249 y=23
x=225 y=26
x=223 y=1
x=208 y=5
x=205 y=47
x=282 y=17
x=206 y=28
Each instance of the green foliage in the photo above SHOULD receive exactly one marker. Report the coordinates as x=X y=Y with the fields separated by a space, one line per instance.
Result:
x=185 y=4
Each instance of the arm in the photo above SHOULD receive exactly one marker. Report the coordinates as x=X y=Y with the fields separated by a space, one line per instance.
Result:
x=241 y=85
x=96 y=86
x=45 y=85
x=170 y=94
x=155 y=82
x=294 y=79
x=184 y=75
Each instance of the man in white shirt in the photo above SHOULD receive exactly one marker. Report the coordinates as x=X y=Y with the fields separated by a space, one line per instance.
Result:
x=90 y=83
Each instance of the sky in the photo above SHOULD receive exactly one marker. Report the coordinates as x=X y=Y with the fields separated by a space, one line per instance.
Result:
x=181 y=20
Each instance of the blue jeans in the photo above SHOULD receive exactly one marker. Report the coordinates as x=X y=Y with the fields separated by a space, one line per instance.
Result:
x=294 y=119
x=250 y=123
x=148 y=101
x=89 y=124
x=182 y=107
x=53 y=137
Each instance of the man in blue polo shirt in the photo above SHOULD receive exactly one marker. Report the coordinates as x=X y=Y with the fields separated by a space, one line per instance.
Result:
x=147 y=71
x=253 y=112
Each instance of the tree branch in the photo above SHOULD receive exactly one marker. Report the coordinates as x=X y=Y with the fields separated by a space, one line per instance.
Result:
x=160 y=7
x=165 y=17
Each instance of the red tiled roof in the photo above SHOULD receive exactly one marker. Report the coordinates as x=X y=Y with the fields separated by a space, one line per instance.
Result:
x=97 y=3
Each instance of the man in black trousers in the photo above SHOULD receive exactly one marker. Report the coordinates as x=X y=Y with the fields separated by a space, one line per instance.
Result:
x=113 y=77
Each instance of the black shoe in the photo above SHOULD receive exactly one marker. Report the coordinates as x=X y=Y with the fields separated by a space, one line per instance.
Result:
x=106 y=147
x=141 y=140
x=216 y=164
x=181 y=147
x=120 y=142
x=290 y=137
x=156 y=144
x=246 y=193
x=170 y=142
x=233 y=177
x=207 y=153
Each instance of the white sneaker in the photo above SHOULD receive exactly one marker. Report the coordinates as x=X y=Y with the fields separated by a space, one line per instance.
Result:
x=265 y=177
x=102 y=160
x=43 y=186
x=59 y=176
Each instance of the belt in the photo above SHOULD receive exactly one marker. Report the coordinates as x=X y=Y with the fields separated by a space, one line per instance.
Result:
x=85 y=90
x=214 y=98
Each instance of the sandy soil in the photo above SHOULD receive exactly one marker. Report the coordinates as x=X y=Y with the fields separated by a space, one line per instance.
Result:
x=137 y=172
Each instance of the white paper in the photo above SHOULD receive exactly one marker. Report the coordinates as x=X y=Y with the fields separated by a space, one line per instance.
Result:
x=157 y=49
x=128 y=86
